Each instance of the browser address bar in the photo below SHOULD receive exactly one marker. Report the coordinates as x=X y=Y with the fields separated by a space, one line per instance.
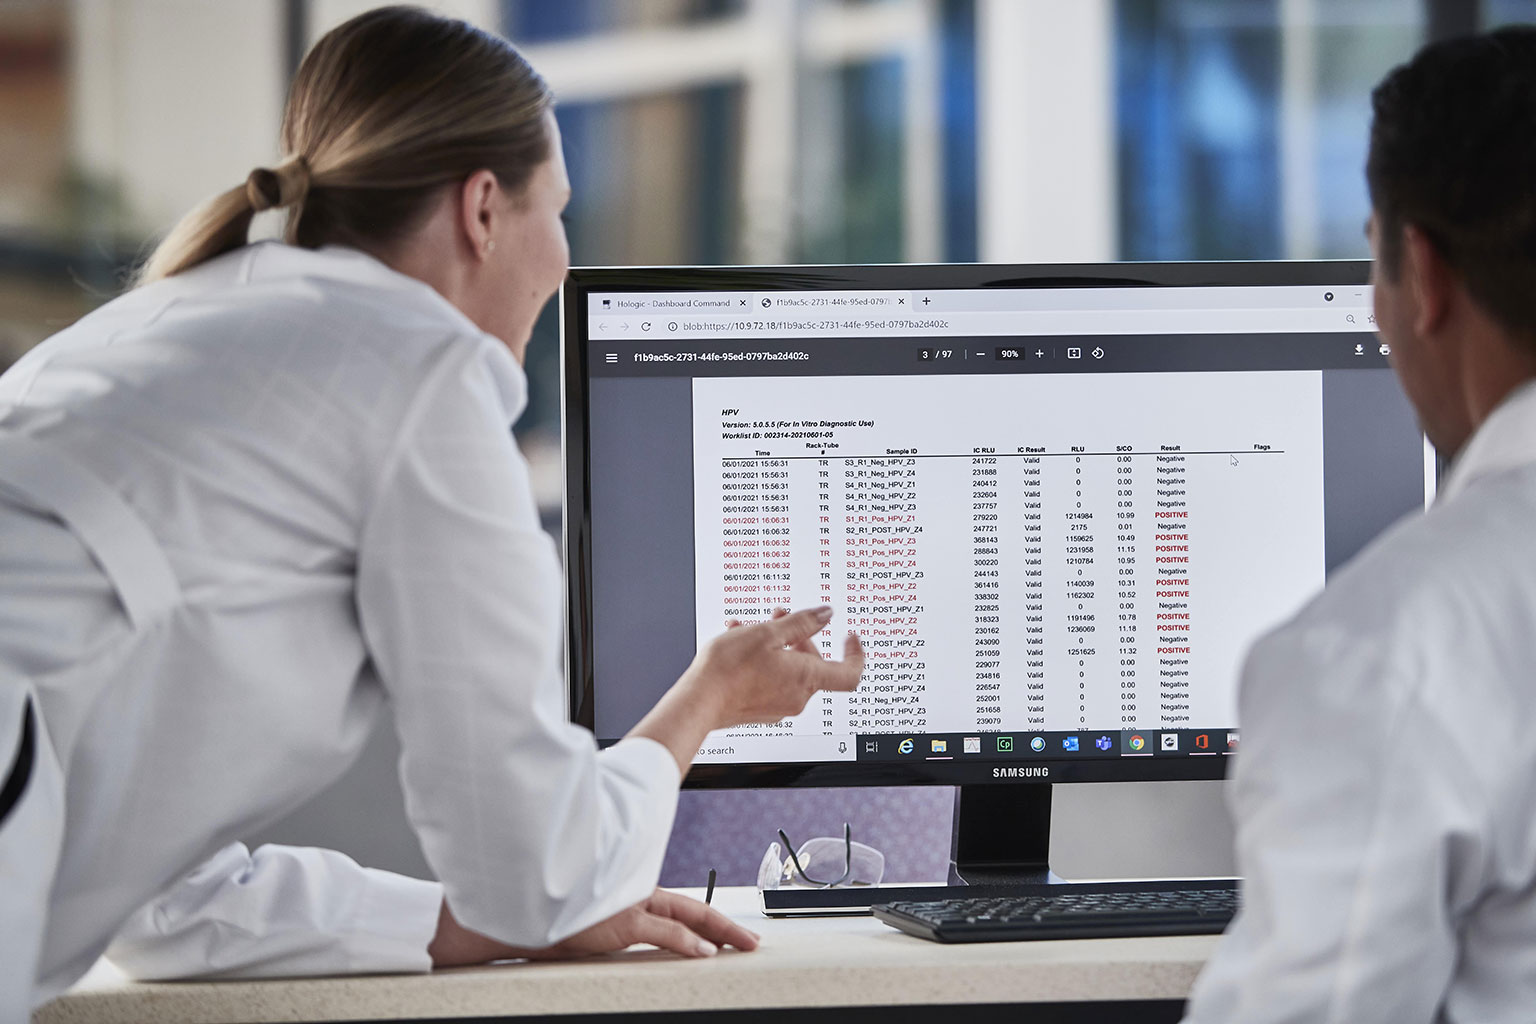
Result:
x=778 y=324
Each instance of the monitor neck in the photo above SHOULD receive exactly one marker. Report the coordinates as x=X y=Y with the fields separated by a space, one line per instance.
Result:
x=1002 y=835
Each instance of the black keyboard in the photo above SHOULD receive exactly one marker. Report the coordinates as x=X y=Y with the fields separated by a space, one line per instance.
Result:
x=1071 y=911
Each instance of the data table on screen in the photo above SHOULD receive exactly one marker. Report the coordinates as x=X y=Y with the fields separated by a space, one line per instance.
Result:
x=1082 y=552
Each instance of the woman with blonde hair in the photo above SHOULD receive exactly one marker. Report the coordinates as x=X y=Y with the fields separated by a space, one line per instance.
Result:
x=274 y=486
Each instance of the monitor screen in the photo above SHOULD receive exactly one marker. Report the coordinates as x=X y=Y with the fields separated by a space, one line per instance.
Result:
x=1057 y=504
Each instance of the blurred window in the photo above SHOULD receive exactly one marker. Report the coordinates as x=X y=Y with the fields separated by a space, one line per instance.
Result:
x=1243 y=123
x=753 y=131
x=540 y=21
x=46 y=207
x=757 y=131
x=1508 y=12
x=654 y=178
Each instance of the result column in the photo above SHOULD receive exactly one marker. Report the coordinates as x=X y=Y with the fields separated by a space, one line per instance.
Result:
x=1172 y=547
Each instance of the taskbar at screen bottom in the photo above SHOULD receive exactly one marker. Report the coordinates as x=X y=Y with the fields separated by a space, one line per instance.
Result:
x=765 y=745
x=1027 y=746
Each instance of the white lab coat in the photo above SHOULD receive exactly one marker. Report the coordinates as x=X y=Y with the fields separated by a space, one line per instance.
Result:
x=239 y=509
x=31 y=810
x=1385 y=796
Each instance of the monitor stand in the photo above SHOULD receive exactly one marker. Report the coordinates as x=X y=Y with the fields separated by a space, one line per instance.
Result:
x=1001 y=839
x=1001 y=835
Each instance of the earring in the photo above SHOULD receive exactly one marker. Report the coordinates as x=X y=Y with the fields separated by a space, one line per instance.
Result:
x=490 y=246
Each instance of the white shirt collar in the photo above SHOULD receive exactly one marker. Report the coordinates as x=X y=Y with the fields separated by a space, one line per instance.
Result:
x=342 y=263
x=1505 y=441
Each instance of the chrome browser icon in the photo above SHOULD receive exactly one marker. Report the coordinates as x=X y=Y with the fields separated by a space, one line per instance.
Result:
x=1137 y=742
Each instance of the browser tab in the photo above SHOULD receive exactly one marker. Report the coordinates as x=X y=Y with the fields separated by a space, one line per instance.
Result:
x=645 y=303
x=833 y=302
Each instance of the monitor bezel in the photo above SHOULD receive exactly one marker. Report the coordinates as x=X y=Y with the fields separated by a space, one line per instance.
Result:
x=576 y=528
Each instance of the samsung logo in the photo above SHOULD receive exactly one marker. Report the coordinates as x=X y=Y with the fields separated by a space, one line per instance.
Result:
x=1021 y=773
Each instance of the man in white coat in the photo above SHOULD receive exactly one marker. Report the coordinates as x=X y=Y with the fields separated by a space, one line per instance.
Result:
x=1385 y=798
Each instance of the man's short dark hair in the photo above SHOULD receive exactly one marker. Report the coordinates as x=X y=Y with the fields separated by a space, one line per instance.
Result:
x=1453 y=152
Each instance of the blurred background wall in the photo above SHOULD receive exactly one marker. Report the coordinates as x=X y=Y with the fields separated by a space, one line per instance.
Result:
x=756 y=131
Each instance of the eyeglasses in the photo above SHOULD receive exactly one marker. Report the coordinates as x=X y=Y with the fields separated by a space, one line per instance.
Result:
x=822 y=862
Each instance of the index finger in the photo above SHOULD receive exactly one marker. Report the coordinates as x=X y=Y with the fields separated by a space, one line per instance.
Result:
x=840 y=675
x=791 y=629
x=805 y=646
x=702 y=919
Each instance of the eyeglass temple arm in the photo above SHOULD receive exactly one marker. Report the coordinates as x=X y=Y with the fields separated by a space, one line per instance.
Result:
x=847 y=857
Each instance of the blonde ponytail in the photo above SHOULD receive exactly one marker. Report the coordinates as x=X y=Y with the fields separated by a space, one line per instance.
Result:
x=219 y=225
x=385 y=110
x=284 y=185
x=224 y=222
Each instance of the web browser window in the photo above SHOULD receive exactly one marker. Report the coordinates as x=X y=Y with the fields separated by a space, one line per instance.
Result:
x=1056 y=517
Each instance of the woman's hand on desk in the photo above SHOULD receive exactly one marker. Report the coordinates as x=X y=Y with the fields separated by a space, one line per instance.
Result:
x=684 y=926
x=668 y=920
x=758 y=673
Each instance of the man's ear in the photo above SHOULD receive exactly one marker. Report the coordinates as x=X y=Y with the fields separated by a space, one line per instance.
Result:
x=477 y=211
x=1429 y=280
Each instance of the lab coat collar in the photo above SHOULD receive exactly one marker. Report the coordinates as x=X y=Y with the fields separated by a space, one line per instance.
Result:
x=1505 y=441
x=273 y=259
x=342 y=263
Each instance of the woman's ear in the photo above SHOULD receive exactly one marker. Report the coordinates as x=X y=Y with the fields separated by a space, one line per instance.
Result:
x=478 y=212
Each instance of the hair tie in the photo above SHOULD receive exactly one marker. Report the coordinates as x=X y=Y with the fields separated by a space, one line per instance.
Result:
x=283 y=185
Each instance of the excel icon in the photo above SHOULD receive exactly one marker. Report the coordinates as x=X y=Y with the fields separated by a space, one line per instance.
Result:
x=1005 y=744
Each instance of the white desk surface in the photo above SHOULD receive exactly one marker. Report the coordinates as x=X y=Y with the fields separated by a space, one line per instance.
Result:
x=806 y=962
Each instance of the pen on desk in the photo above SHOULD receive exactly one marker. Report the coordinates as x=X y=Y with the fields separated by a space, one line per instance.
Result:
x=709 y=887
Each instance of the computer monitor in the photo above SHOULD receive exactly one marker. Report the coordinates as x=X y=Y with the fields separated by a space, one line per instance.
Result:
x=1057 y=502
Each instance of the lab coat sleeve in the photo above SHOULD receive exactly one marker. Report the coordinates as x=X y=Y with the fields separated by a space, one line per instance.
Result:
x=282 y=911
x=1355 y=818
x=534 y=833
